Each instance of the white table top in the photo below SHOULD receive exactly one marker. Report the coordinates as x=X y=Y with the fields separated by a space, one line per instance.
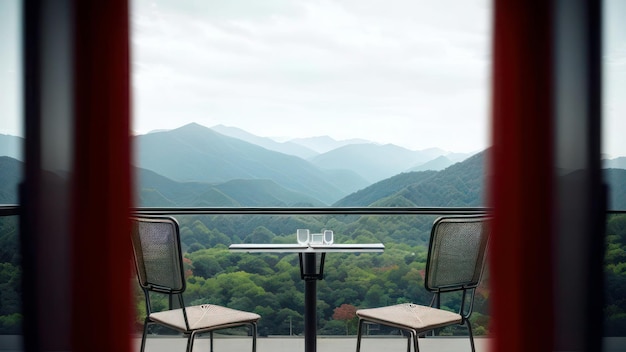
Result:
x=311 y=248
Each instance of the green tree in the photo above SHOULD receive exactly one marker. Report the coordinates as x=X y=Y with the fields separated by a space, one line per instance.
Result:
x=375 y=297
x=205 y=263
x=260 y=235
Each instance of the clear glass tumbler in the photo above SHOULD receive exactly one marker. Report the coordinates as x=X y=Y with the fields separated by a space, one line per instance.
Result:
x=303 y=236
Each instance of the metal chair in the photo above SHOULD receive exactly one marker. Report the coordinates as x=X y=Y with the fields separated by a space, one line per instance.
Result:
x=159 y=264
x=456 y=257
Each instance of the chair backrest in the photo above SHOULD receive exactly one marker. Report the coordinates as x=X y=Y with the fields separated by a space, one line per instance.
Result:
x=157 y=252
x=456 y=254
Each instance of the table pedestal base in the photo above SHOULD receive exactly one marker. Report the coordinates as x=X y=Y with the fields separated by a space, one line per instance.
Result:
x=310 y=314
x=311 y=270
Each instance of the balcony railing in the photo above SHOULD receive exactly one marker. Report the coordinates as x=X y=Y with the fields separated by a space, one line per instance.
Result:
x=311 y=211
x=9 y=210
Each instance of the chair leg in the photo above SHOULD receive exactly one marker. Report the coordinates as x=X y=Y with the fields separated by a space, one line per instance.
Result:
x=408 y=342
x=413 y=334
x=358 y=335
x=144 y=335
x=190 y=341
x=471 y=335
x=254 y=332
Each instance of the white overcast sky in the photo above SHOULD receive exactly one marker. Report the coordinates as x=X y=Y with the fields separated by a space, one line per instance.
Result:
x=410 y=72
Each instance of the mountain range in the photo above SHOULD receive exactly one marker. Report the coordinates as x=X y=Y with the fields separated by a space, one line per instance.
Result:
x=11 y=146
x=197 y=166
x=194 y=153
x=460 y=185
x=301 y=147
x=372 y=161
x=290 y=148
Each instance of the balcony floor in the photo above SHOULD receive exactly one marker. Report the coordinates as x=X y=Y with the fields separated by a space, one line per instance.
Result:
x=338 y=344
x=324 y=344
x=13 y=343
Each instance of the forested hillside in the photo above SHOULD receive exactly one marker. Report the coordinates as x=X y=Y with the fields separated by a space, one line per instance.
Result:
x=615 y=276
x=384 y=189
x=10 y=277
x=270 y=284
x=437 y=164
x=460 y=185
x=616 y=180
x=10 y=176
x=159 y=191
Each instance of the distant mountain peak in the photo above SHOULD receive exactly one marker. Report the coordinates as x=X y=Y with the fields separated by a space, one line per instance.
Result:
x=192 y=125
x=11 y=146
x=373 y=161
x=288 y=148
x=439 y=163
x=323 y=144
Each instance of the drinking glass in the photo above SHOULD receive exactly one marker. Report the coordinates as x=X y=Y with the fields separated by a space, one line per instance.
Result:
x=328 y=237
x=317 y=238
x=303 y=236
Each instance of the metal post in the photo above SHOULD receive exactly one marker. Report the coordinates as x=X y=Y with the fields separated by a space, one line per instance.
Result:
x=310 y=303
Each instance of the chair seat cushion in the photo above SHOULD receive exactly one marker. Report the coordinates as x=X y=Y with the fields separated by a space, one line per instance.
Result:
x=410 y=316
x=204 y=317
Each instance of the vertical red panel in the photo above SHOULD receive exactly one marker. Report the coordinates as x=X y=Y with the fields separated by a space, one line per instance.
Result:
x=521 y=191
x=102 y=187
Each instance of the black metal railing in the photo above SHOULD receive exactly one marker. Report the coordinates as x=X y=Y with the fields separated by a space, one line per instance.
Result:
x=310 y=211
x=9 y=210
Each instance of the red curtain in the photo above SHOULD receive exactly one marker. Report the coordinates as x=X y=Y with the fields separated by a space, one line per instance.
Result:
x=521 y=189
x=102 y=311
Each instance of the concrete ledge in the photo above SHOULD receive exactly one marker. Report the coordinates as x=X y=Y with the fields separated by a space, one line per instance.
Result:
x=13 y=343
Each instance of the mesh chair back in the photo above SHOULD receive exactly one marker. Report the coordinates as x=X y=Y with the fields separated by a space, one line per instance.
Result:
x=456 y=253
x=158 y=259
